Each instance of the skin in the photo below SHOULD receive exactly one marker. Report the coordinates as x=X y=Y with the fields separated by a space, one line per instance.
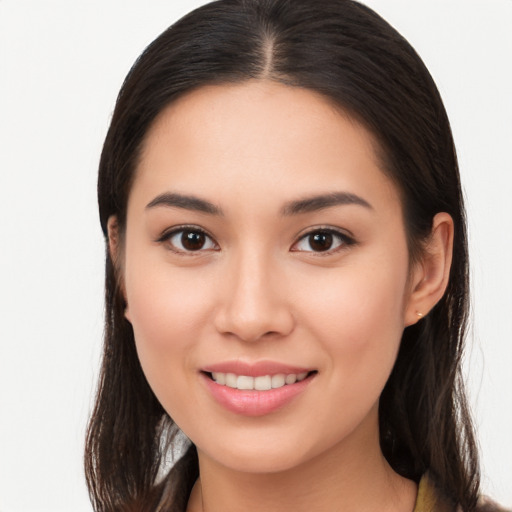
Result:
x=258 y=291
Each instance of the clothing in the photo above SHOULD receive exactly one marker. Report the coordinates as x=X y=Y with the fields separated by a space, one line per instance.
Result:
x=430 y=499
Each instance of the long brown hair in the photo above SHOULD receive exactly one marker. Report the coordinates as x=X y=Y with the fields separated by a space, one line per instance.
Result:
x=349 y=54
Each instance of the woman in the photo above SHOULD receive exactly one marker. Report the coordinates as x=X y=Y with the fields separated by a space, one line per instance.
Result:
x=286 y=271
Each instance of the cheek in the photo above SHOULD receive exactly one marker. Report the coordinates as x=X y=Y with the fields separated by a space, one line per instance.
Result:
x=163 y=301
x=358 y=324
x=358 y=317
x=167 y=310
x=160 y=313
x=362 y=303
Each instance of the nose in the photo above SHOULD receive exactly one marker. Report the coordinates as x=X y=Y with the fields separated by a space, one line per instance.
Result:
x=253 y=300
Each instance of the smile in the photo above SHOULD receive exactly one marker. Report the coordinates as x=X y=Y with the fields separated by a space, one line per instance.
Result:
x=260 y=383
x=268 y=388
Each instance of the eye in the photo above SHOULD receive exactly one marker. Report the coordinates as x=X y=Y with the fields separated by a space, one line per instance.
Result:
x=188 y=240
x=322 y=240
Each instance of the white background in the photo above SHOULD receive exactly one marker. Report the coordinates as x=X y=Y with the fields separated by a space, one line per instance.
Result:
x=61 y=65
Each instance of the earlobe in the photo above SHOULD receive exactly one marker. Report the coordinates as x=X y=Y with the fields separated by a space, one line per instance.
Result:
x=431 y=274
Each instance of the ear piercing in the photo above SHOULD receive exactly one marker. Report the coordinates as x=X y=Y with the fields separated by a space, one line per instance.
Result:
x=420 y=315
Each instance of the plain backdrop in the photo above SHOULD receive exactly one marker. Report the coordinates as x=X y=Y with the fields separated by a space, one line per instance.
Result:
x=61 y=65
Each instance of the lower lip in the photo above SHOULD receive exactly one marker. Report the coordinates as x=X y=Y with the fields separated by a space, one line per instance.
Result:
x=252 y=402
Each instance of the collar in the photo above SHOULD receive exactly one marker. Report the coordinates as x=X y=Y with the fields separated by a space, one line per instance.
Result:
x=430 y=498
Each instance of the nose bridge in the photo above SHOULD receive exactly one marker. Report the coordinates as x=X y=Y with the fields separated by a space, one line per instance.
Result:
x=253 y=304
x=252 y=283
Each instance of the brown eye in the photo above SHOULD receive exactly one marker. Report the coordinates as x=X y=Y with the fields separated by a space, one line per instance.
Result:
x=192 y=240
x=189 y=240
x=322 y=240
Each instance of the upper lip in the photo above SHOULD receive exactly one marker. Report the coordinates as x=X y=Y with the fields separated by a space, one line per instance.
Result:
x=255 y=369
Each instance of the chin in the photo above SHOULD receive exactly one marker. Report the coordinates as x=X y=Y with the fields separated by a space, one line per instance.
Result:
x=258 y=463
x=256 y=456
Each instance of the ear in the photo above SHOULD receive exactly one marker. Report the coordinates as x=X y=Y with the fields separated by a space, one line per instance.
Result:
x=115 y=251
x=113 y=239
x=430 y=275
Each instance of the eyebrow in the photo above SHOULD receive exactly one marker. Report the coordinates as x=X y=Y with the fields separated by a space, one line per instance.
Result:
x=322 y=201
x=305 y=205
x=187 y=202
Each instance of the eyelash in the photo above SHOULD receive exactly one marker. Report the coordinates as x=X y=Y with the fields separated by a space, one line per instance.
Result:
x=343 y=240
x=167 y=236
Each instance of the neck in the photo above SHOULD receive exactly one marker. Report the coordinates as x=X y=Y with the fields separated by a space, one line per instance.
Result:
x=352 y=476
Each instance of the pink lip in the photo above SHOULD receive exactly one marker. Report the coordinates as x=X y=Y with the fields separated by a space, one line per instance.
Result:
x=254 y=369
x=254 y=403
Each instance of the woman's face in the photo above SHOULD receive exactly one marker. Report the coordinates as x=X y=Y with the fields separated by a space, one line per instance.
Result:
x=265 y=248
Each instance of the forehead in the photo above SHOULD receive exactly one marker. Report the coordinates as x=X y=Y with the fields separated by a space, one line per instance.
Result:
x=262 y=136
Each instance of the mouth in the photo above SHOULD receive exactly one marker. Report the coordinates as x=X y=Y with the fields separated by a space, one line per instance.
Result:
x=256 y=388
x=258 y=383
x=259 y=394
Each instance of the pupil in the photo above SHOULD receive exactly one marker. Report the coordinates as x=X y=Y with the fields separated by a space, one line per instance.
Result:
x=321 y=241
x=192 y=240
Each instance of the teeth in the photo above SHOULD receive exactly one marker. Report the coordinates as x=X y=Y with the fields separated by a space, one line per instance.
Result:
x=220 y=378
x=278 y=380
x=290 y=379
x=231 y=380
x=244 y=382
x=261 y=383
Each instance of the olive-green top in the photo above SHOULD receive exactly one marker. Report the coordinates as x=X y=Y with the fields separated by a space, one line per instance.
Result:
x=430 y=499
